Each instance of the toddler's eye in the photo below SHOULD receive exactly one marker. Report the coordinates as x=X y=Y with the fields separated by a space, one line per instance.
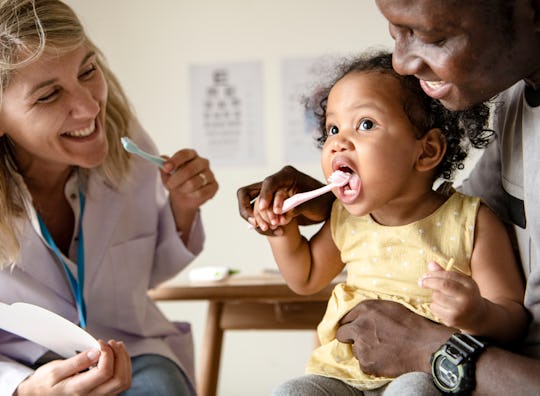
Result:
x=332 y=130
x=366 y=125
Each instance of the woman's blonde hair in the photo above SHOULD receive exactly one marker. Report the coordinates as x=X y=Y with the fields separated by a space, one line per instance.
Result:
x=29 y=28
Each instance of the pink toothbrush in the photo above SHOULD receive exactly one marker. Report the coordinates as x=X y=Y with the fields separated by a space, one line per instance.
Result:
x=336 y=179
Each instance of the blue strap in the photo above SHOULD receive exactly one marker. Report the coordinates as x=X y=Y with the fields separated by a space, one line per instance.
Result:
x=76 y=285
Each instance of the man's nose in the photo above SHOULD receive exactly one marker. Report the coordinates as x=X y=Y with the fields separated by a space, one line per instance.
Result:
x=405 y=58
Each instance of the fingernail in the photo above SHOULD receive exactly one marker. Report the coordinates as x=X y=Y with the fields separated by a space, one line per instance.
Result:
x=93 y=354
x=278 y=232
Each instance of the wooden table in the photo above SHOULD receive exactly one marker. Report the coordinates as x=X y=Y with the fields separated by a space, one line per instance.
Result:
x=262 y=302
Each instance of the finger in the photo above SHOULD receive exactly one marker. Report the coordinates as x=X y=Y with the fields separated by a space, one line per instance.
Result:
x=434 y=266
x=105 y=364
x=62 y=370
x=280 y=181
x=120 y=377
x=202 y=180
x=245 y=197
x=444 y=300
x=279 y=198
x=183 y=157
x=348 y=326
x=85 y=381
x=260 y=220
x=346 y=333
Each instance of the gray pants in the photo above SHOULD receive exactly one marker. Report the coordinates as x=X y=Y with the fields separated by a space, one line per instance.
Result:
x=410 y=384
x=155 y=375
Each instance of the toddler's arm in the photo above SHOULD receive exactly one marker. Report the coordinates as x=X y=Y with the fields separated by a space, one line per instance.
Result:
x=491 y=303
x=306 y=266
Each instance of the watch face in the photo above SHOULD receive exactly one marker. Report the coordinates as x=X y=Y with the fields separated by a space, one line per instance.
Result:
x=446 y=372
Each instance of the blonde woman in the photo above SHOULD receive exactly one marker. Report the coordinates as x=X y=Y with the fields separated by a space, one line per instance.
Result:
x=86 y=229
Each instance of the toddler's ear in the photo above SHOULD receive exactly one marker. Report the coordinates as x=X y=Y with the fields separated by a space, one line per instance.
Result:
x=433 y=150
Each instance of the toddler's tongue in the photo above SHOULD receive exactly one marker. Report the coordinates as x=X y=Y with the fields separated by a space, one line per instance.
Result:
x=354 y=182
x=351 y=190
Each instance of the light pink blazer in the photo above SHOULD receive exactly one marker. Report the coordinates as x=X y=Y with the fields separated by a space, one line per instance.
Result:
x=131 y=245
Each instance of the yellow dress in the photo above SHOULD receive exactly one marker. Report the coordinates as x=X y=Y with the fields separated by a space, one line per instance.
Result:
x=385 y=263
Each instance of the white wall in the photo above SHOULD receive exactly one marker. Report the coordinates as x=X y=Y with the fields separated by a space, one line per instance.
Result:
x=150 y=44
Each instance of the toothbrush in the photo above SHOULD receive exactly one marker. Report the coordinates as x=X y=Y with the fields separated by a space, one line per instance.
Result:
x=131 y=147
x=336 y=179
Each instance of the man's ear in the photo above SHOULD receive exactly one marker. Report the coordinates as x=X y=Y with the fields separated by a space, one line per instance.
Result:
x=535 y=4
x=433 y=148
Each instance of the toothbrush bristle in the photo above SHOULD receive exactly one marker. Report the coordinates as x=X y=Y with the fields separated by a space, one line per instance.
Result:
x=127 y=143
x=339 y=177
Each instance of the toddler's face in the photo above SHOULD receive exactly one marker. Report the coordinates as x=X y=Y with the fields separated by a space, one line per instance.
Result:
x=370 y=135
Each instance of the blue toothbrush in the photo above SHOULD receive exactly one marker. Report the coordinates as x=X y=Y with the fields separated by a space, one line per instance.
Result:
x=131 y=147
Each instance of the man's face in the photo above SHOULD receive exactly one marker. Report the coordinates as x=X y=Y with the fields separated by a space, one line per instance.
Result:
x=461 y=55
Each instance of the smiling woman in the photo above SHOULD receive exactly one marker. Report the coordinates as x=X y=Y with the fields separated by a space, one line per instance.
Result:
x=68 y=239
x=52 y=109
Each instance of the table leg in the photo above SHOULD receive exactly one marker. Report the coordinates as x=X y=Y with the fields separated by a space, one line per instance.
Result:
x=211 y=350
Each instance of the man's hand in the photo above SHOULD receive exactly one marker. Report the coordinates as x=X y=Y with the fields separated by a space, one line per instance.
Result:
x=274 y=189
x=389 y=340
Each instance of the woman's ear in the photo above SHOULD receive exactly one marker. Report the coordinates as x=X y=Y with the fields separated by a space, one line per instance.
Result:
x=433 y=148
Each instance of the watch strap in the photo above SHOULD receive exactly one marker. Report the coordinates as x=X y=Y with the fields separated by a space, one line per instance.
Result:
x=461 y=350
x=462 y=346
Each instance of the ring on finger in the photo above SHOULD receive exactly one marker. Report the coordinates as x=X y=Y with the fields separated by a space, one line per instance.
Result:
x=203 y=178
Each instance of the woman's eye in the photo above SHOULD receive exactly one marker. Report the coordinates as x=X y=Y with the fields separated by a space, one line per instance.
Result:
x=88 y=72
x=332 y=130
x=366 y=125
x=49 y=97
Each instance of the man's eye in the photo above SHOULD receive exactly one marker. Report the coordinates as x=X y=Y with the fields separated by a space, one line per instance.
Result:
x=332 y=130
x=366 y=125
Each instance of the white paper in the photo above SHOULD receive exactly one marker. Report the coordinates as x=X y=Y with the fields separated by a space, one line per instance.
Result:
x=46 y=328
x=226 y=112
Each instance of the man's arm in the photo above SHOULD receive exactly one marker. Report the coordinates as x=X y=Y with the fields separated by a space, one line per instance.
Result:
x=389 y=340
x=500 y=372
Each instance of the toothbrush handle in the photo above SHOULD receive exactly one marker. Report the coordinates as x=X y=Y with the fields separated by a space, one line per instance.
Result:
x=155 y=159
x=300 y=198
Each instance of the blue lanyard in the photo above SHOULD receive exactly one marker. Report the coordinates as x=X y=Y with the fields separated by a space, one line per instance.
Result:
x=75 y=284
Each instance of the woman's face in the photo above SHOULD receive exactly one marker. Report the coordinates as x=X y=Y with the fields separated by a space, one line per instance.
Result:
x=460 y=55
x=53 y=110
x=370 y=136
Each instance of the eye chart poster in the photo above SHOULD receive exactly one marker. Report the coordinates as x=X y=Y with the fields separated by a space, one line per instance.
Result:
x=226 y=113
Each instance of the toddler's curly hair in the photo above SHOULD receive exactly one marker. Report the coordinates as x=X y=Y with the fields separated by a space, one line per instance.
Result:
x=461 y=129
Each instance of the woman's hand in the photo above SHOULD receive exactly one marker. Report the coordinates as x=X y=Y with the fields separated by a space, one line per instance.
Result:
x=189 y=179
x=273 y=190
x=93 y=372
x=191 y=183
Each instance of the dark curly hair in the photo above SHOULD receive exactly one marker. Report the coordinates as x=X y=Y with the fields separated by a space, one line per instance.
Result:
x=424 y=112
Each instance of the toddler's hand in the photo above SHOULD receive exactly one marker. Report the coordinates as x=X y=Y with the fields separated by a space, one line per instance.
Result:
x=456 y=297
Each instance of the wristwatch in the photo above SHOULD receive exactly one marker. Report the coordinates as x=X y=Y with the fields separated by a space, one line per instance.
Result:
x=453 y=364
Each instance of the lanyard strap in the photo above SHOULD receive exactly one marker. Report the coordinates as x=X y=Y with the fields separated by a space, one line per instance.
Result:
x=76 y=285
